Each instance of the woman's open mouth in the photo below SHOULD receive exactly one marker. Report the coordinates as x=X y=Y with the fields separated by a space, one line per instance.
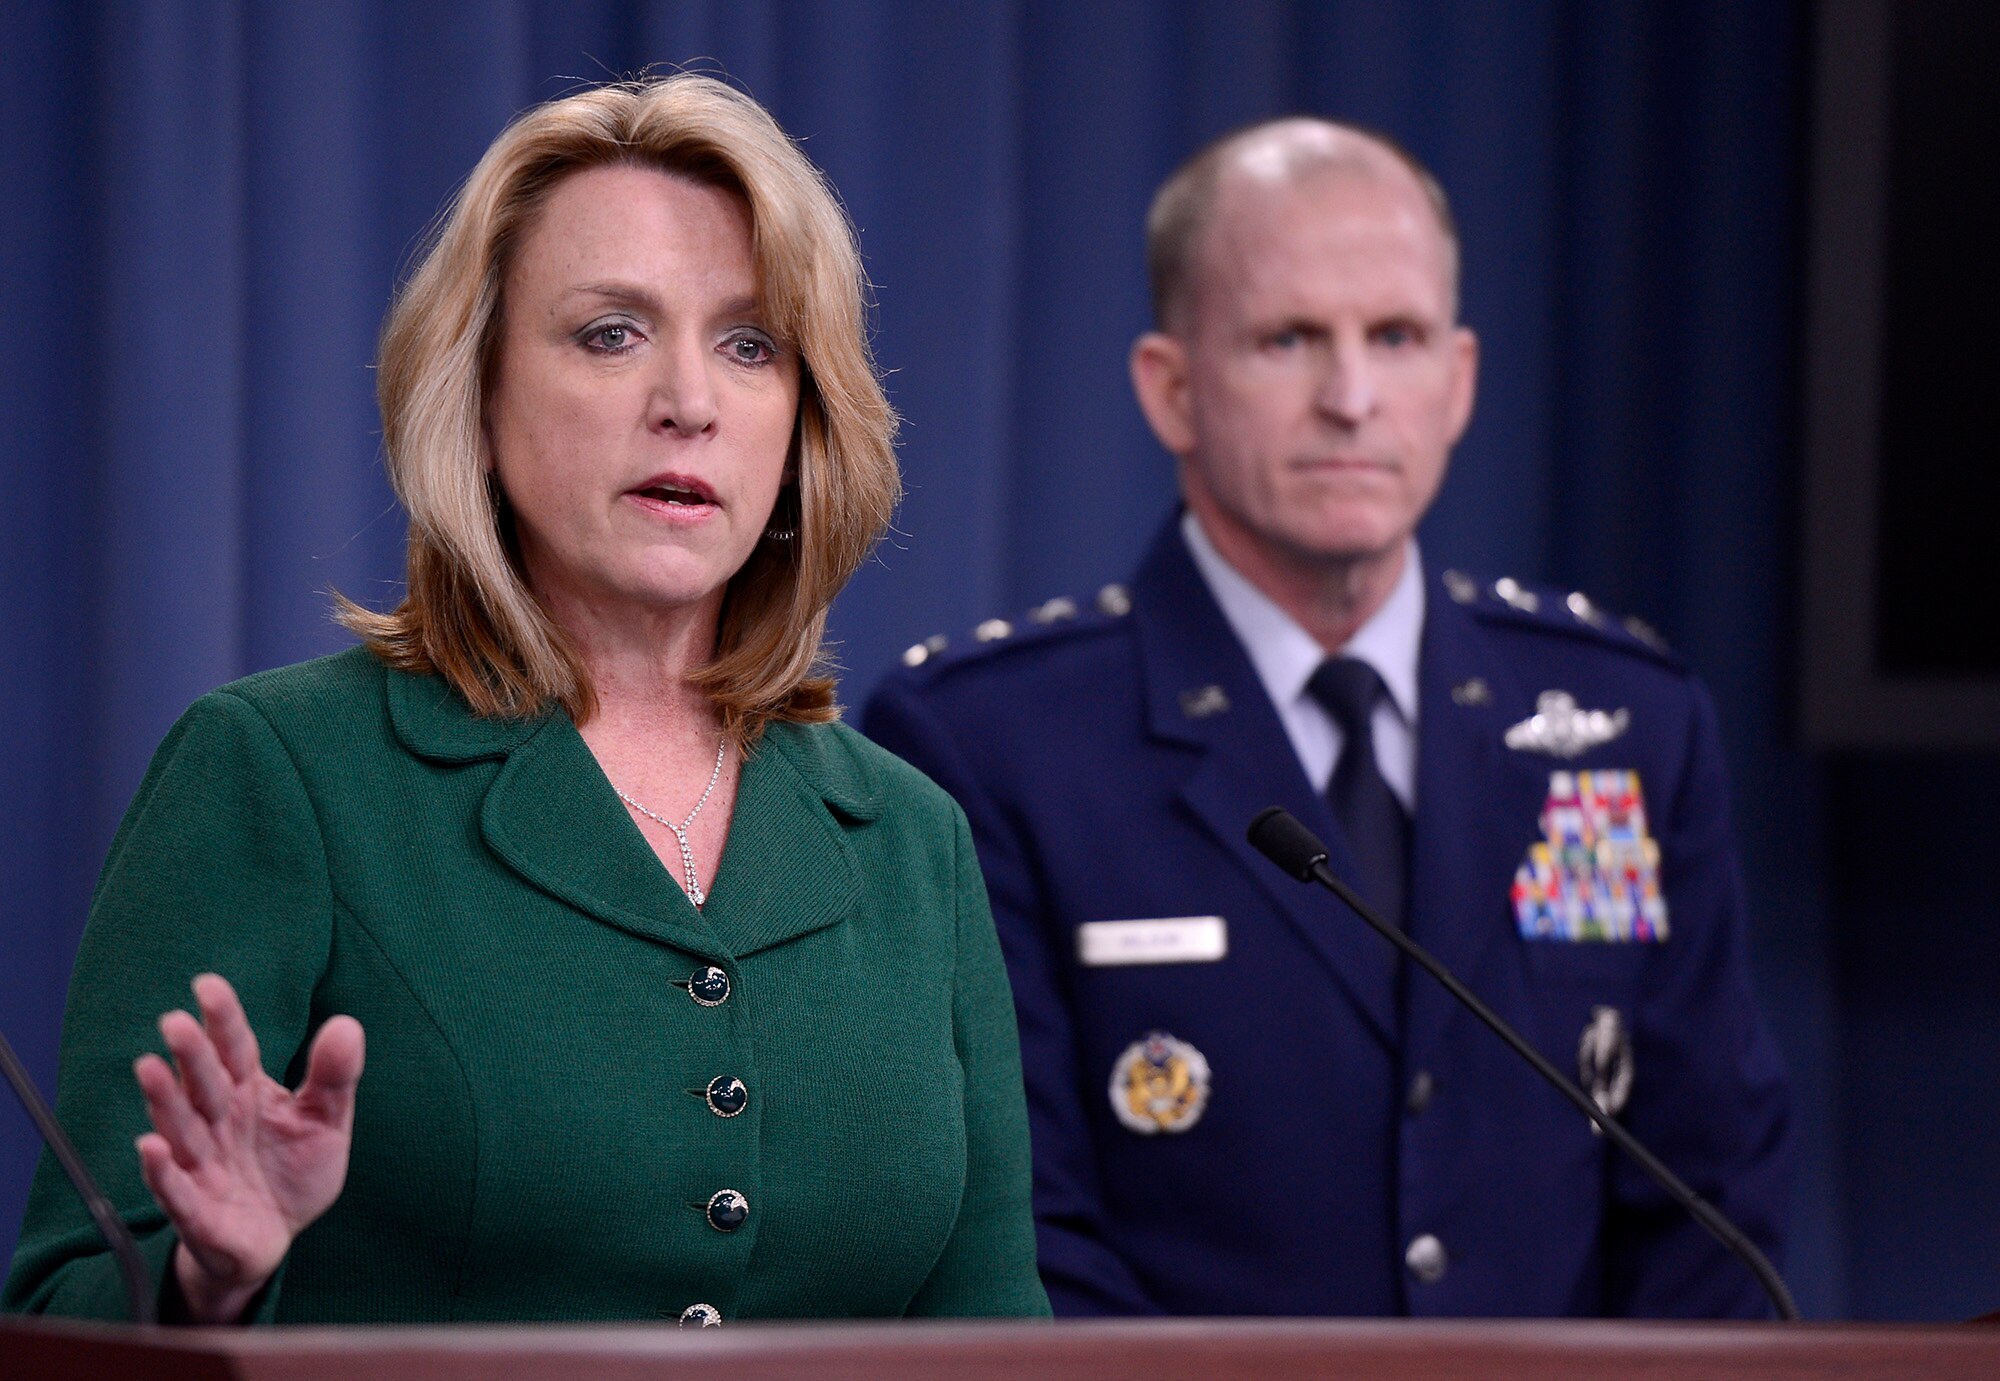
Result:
x=681 y=496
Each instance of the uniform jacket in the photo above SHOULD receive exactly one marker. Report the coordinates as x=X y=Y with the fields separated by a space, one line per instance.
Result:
x=533 y=1137
x=1110 y=763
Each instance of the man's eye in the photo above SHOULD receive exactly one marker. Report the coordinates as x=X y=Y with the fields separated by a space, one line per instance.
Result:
x=1282 y=340
x=1396 y=335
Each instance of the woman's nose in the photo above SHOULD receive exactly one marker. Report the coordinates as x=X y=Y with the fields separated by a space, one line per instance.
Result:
x=683 y=390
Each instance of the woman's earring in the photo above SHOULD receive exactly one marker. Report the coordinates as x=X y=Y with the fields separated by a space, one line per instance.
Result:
x=791 y=528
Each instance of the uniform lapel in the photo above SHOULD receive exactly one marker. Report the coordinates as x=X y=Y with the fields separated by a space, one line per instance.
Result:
x=1476 y=801
x=1243 y=762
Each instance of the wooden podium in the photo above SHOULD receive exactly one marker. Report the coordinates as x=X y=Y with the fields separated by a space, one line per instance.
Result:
x=1170 y=1350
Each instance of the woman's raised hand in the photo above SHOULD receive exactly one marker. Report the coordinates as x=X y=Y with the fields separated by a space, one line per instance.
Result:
x=240 y=1163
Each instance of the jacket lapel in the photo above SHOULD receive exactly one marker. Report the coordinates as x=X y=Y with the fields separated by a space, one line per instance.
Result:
x=789 y=868
x=551 y=816
x=1476 y=801
x=1242 y=762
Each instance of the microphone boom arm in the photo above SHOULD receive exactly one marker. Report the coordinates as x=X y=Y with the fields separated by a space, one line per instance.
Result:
x=131 y=1265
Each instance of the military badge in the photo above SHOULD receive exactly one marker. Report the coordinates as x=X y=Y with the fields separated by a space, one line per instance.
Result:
x=1159 y=1085
x=1604 y=1061
x=1562 y=730
x=1595 y=872
x=1204 y=701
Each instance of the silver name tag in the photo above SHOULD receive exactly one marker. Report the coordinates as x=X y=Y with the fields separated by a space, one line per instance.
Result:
x=1166 y=940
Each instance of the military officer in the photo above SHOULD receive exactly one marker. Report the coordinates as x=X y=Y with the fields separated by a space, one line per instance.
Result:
x=1240 y=1103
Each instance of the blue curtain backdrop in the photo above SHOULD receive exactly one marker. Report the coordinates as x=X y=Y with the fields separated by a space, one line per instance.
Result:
x=206 y=204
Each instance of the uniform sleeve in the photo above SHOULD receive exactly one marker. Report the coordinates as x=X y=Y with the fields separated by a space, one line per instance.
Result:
x=988 y=1265
x=1709 y=1091
x=219 y=867
x=1083 y=1274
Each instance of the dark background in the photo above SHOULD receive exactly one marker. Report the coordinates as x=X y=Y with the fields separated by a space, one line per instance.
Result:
x=204 y=205
x=1940 y=487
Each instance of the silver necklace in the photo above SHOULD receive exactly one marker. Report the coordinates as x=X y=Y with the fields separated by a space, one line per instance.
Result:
x=695 y=894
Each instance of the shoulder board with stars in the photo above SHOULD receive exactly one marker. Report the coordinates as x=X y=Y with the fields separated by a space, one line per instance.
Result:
x=1112 y=602
x=1572 y=612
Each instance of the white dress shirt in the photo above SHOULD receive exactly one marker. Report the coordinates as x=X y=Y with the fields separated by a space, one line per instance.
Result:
x=1285 y=656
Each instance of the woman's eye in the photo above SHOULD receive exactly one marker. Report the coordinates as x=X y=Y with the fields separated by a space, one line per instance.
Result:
x=750 y=349
x=612 y=338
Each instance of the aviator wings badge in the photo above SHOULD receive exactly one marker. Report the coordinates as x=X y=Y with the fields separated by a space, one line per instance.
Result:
x=1562 y=730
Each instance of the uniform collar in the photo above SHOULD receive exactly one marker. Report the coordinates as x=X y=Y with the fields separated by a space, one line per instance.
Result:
x=1285 y=655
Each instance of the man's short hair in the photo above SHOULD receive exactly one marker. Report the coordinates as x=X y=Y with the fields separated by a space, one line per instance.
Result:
x=1184 y=206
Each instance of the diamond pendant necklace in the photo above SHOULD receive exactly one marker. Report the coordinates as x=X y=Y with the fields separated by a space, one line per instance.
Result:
x=695 y=894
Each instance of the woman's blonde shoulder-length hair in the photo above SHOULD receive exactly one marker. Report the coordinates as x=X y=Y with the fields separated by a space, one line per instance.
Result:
x=468 y=614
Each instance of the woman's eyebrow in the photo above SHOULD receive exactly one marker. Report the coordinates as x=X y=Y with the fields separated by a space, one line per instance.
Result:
x=634 y=295
x=627 y=294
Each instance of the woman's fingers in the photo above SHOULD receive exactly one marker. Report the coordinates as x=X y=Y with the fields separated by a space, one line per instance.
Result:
x=333 y=1070
x=208 y=1083
x=186 y=1206
x=238 y=1164
x=167 y=1178
x=182 y=1130
x=228 y=1028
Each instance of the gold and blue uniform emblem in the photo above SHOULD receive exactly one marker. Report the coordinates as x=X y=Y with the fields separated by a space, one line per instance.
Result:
x=1159 y=1084
x=1595 y=872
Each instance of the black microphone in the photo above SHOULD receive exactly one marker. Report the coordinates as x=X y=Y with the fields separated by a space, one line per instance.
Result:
x=1277 y=835
x=131 y=1265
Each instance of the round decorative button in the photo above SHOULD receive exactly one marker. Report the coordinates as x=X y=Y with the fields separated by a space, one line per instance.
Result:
x=1422 y=1086
x=726 y=1096
x=1426 y=1259
x=702 y=1316
x=727 y=1210
x=709 y=986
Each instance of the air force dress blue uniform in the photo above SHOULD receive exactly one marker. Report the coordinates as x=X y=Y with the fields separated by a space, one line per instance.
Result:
x=1277 y=1118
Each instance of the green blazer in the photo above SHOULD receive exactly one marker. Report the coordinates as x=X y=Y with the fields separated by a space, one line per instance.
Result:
x=533 y=1137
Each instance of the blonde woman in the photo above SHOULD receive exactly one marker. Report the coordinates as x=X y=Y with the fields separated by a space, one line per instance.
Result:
x=680 y=1000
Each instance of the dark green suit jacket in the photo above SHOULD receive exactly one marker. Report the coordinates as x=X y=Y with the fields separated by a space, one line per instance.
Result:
x=532 y=1139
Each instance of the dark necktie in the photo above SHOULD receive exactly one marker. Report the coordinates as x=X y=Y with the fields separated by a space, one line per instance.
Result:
x=1377 y=830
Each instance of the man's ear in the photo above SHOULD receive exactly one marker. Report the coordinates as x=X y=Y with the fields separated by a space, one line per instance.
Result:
x=1160 y=379
x=1465 y=379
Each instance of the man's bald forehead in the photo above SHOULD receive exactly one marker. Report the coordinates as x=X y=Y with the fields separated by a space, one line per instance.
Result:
x=1274 y=154
x=1284 y=150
